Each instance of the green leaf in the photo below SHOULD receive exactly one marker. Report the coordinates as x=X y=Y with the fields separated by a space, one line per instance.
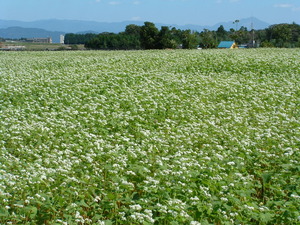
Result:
x=266 y=177
x=266 y=217
x=3 y=212
x=82 y=203
x=174 y=223
x=108 y=222
x=111 y=196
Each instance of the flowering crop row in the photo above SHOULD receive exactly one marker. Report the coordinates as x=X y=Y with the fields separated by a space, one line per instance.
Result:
x=144 y=137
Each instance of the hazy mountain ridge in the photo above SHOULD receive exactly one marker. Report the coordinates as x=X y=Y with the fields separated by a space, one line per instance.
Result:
x=20 y=32
x=53 y=28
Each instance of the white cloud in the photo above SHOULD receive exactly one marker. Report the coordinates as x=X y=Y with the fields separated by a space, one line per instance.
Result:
x=136 y=18
x=283 y=6
x=136 y=2
x=294 y=8
x=114 y=3
x=230 y=1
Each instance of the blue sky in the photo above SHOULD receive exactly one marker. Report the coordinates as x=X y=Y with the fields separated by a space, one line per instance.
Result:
x=200 y=12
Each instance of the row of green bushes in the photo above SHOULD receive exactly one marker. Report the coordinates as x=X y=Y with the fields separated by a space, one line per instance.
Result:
x=149 y=36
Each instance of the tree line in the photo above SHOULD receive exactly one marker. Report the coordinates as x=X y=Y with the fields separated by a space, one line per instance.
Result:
x=149 y=36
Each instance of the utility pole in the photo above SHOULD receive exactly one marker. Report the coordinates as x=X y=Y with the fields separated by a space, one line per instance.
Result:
x=252 y=34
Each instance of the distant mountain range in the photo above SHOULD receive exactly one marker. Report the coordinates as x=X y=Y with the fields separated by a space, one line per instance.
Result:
x=54 y=28
x=20 y=32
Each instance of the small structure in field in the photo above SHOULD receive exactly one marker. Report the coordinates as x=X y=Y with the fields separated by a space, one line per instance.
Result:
x=228 y=44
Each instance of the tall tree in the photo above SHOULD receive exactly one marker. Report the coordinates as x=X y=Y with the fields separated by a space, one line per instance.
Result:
x=208 y=39
x=221 y=33
x=280 y=34
x=189 y=39
x=165 y=39
x=149 y=36
x=133 y=29
x=71 y=38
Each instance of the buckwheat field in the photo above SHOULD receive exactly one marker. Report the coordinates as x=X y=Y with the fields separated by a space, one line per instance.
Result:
x=150 y=137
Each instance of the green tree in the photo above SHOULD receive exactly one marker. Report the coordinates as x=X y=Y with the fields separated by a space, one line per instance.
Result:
x=295 y=34
x=129 y=41
x=149 y=36
x=279 y=34
x=267 y=44
x=71 y=38
x=165 y=38
x=133 y=29
x=208 y=39
x=189 y=39
x=221 y=33
x=260 y=36
x=243 y=36
x=111 y=41
x=233 y=35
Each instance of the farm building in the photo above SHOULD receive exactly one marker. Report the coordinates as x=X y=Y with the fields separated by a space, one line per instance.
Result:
x=39 y=40
x=227 y=44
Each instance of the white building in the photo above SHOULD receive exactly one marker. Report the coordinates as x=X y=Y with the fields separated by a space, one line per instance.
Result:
x=61 y=39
